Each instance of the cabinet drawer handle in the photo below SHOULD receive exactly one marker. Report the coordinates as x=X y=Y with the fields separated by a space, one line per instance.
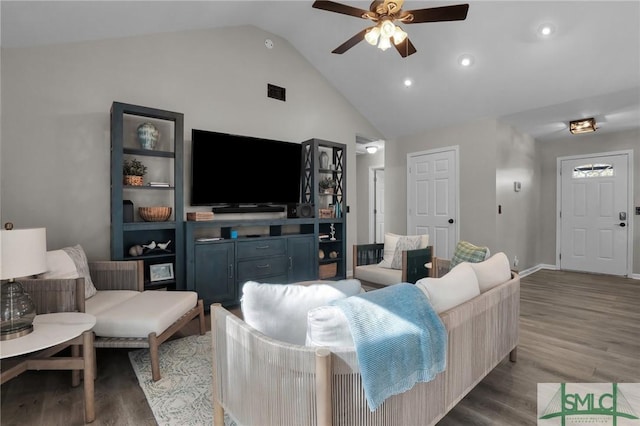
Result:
x=263 y=266
x=231 y=271
x=262 y=247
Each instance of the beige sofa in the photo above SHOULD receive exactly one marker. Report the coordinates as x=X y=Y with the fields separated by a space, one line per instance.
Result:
x=260 y=380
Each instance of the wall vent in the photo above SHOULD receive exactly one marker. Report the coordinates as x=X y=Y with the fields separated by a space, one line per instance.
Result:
x=276 y=92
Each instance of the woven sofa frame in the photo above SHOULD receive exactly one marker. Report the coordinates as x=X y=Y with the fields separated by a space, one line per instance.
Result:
x=67 y=295
x=262 y=381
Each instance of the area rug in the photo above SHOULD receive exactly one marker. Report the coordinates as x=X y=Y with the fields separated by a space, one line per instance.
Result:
x=183 y=395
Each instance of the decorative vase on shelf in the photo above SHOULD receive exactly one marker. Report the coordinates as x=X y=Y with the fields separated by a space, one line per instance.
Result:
x=324 y=160
x=148 y=135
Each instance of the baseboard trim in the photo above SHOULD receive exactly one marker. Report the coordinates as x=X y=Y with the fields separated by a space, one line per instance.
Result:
x=536 y=268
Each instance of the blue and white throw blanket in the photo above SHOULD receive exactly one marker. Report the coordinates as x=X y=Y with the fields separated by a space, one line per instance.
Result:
x=399 y=339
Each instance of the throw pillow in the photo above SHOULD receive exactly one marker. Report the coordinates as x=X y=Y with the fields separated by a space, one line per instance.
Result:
x=70 y=262
x=390 y=243
x=280 y=310
x=328 y=326
x=456 y=287
x=467 y=252
x=409 y=242
x=492 y=271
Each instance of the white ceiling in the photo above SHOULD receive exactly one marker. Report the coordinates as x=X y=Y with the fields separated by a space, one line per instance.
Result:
x=589 y=67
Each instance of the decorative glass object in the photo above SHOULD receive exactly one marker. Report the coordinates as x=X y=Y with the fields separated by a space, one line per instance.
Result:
x=17 y=311
x=23 y=254
x=148 y=135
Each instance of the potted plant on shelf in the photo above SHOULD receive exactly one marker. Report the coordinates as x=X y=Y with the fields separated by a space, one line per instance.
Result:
x=133 y=171
x=327 y=185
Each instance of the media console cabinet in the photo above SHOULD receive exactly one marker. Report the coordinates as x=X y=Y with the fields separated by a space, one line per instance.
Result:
x=265 y=250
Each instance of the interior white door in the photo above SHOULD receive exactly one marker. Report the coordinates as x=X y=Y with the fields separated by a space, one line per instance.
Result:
x=432 y=198
x=379 y=203
x=593 y=214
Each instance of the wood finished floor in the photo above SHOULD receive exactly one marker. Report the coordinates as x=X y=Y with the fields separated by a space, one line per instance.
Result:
x=573 y=328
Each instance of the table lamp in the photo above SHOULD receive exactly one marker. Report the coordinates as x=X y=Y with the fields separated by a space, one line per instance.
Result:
x=23 y=252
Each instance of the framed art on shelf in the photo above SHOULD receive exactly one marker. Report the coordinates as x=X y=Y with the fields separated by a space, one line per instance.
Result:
x=161 y=272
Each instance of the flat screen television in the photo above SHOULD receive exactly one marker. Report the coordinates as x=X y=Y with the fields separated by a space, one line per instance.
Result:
x=235 y=171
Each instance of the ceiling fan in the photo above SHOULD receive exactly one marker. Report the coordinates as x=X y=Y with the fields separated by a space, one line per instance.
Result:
x=385 y=32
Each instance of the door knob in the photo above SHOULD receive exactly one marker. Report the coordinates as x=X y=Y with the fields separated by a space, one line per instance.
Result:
x=623 y=224
x=450 y=220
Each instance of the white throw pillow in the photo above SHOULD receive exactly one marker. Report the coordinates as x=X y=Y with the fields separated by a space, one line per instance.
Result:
x=492 y=271
x=328 y=326
x=280 y=310
x=69 y=262
x=405 y=242
x=457 y=286
x=390 y=243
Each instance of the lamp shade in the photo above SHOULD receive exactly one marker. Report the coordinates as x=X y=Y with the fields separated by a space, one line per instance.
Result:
x=23 y=252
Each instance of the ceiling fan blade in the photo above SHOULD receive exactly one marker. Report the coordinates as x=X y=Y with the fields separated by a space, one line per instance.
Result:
x=436 y=14
x=332 y=6
x=405 y=48
x=350 y=43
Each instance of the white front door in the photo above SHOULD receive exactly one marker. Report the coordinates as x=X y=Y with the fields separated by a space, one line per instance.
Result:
x=432 y=198
x=594 y=214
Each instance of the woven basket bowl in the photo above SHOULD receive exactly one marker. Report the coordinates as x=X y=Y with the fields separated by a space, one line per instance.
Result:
x=155 y=214
x=133 y=180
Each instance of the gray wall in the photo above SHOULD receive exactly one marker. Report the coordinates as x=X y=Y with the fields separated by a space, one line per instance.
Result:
x=492 y=156
x=518 y=224
x=55 y=117
x=477 y=154
x=593 y=143
x=364 y=164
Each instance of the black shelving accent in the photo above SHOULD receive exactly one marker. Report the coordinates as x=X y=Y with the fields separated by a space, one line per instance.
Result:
x=169 y=154
x=149 y=152
x=312 y=173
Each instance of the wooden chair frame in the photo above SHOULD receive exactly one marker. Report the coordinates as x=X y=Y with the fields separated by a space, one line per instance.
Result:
x=67 y=295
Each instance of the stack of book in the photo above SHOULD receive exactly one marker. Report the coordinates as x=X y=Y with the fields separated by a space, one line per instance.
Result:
x=199 y=216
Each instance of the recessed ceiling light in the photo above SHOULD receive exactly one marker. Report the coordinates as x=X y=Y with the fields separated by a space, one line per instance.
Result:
x=407 y=82
x=465 y=60
x=546 y=30
x=371 y=149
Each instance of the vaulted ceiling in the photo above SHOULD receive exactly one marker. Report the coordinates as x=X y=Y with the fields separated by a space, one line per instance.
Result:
x=588 y=67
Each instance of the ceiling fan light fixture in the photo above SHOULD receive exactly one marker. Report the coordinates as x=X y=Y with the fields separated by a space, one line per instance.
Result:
x=387 y=28
x=384 y=43
x=372 y=36
x=399 y=35
x=586 y=125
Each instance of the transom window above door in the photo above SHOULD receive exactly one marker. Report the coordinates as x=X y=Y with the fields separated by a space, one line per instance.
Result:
x=592 y=171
